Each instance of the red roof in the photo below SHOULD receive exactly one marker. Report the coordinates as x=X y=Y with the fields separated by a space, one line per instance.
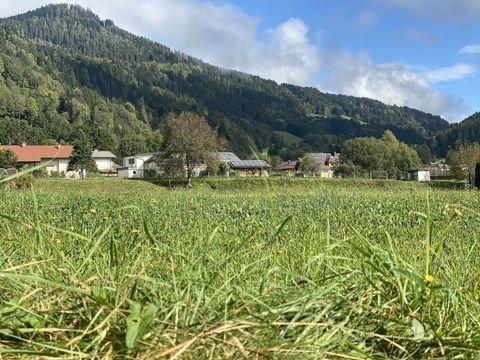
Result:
x=35 y=153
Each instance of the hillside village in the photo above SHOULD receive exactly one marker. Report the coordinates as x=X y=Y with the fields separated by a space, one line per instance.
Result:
x=150 y=165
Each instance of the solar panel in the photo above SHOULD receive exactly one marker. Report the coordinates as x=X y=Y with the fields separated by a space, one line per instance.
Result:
x=246 y=164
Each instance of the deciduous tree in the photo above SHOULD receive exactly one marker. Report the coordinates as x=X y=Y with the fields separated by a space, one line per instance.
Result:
x=188 y=141
x=462 y=161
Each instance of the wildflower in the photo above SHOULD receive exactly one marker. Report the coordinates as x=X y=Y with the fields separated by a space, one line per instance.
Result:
x=428 y=278
x=93 y=210
x=135 y=231
x=458 y=212
x=58 y=242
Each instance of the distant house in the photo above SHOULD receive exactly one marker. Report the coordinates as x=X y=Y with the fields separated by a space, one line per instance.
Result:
x=289 y=167
x=247 y=168
x=226 y=156
x=138 y=166
x=419 y=175
x=57 y=157
x=105 y=164
x=326 y=158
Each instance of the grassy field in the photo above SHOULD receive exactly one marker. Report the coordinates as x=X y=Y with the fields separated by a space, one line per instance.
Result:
x=283 y=268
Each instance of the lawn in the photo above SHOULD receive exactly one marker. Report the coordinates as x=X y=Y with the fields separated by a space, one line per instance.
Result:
x=277 y=268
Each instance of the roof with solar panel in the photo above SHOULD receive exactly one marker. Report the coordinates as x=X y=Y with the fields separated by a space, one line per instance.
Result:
x=249 y=164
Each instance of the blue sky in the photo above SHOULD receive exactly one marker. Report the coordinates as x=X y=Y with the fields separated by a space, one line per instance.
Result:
x=419 y=53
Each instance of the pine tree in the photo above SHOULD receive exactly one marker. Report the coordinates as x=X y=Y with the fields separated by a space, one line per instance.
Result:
x=81 y=159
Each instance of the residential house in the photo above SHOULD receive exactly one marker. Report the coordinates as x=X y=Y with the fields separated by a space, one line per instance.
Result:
x=55 y=156
x=288 y=168
x=326 y=158
x=138 y=166
x=226 y=156
x=105 y=164
x=247 y=168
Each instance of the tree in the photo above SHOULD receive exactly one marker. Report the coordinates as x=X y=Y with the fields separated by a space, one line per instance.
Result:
x=477 y=175
x=8 y=159
x=385 y=154
x=213 y=165
x=462 y=161
x=309 y=165
x=188 y=142
x=81 y=159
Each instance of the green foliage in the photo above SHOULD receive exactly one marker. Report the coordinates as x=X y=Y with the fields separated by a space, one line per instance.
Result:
x=81 y=159
x=309 y=165
x=317 y=269
x=386 y=154
x=189 y=142
x=8 y=159
x=62 y=69
x=462 y=161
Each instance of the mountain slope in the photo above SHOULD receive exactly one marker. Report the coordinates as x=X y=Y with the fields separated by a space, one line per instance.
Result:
x=68 y=71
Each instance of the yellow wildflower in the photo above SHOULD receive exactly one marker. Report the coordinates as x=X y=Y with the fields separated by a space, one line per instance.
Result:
x=93 y=210
x=458 y=212
x=135 y=231
x=428 y=278
x=58 y=242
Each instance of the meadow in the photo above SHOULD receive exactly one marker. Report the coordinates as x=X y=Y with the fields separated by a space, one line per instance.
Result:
x=268 y=269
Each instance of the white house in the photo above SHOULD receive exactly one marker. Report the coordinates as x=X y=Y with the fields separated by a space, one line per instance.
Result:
x=419 y=175
x=105 y=164
x=138 y=166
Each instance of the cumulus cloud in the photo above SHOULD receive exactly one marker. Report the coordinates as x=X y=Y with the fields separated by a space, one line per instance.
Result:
x=219 y=34
x=391 y=83
x=458 y=10
x=226 y=36
x=450 y=73
x=470 y=49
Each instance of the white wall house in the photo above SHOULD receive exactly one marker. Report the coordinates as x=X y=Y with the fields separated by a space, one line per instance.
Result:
x=137 y=166
x=105 y=164
x=56 y=157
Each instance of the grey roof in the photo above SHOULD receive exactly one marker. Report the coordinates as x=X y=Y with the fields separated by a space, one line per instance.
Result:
x=103 y=155
x=249 y=164
x=226 y=156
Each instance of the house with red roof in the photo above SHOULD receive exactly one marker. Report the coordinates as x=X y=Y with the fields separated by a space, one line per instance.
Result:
x=57 y=157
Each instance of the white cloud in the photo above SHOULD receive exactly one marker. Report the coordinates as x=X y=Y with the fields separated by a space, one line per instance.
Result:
x=470 y=49
x=391 y=83
x=226 y=36
x=458 y=10
x=451 y=73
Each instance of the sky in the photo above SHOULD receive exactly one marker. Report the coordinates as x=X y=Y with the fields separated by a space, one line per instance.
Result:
x=419 y=53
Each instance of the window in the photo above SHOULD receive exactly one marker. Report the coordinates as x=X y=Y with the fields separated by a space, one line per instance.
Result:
x=131 y=161
x=134 y=173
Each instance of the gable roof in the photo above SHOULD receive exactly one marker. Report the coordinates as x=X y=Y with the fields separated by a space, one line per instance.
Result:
x=249 y=164
x=103 y=155
x=35 y=153
x=288 y=165
x=226 y=156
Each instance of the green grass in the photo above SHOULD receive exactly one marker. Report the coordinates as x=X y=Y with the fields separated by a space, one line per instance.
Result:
x=277 y=268
x=288 y=138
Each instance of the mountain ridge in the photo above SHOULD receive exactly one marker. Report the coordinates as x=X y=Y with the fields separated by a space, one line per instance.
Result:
x=118 y=88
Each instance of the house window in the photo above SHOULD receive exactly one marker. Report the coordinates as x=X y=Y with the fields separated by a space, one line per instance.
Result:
x=134 y=173
x=131 y=161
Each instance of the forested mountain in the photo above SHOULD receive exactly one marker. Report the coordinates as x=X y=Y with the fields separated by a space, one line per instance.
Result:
x=466 y=131
x=64 y=70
